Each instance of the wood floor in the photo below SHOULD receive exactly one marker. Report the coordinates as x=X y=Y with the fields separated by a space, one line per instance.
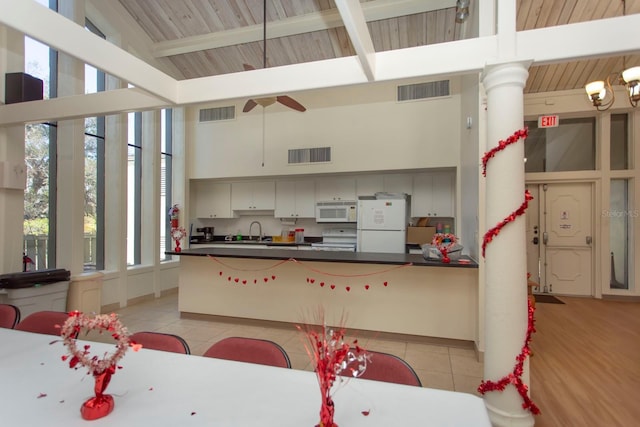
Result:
x=585 y=370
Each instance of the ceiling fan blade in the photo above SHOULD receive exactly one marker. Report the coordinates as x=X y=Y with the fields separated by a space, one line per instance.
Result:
x=291 y=103
x=249 y=106
x=248 y=67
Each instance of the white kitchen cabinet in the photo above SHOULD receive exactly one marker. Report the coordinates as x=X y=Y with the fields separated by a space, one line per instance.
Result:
x=253 y=195
x=295 y=199
x=368 y=185
x=328 y=189
x=397 y=183
x=212 y=200
x=433 y=195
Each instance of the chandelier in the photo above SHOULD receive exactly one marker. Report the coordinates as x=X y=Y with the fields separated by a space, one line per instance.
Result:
x=598 y=90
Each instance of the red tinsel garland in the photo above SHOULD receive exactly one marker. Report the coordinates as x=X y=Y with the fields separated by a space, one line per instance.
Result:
x=515 y=376
x=493 y=232
x=522 y=133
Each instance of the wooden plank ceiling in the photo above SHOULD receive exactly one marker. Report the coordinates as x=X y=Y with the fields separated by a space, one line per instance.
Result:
x=212 y=37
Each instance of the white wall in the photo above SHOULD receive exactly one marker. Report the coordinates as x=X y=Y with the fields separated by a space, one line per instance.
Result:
x=365 y=126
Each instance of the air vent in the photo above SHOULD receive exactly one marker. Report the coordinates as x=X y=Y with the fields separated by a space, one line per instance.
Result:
x=217 y=114
x=424 y=90
x=310 y=155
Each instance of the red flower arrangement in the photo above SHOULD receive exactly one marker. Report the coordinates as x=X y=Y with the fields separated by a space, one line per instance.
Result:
x=332 y=358
x=444 y=242
x=101 y=369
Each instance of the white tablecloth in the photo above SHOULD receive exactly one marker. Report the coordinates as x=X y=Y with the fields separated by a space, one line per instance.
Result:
x=167 y=389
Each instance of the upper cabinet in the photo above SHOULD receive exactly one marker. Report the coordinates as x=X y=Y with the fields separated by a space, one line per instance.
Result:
x=212 y=200
x=433 y=195
x=295 y=199
x=328 y=189
x=368 y=185
x=253 y=195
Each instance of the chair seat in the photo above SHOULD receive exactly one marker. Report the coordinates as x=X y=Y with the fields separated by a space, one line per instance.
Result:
x=250 y=350
x=43 y=322
x=161 y=341
x=9 y=316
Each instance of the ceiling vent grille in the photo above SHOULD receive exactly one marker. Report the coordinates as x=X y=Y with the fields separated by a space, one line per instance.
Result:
x=416 y=91
x=217 y=114
x=309 y=155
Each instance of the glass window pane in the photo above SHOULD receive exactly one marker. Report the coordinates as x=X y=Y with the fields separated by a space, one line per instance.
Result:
x=90 y=195
x=569 y=147
x=619 y=232
x=619 y=142
x=36 y=197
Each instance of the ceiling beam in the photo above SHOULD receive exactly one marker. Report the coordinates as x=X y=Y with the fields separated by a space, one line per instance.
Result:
x=356 y=26
x=373 y=11
x=58 y=32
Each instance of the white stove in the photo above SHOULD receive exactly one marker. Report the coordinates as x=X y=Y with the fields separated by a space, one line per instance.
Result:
x=337 y=239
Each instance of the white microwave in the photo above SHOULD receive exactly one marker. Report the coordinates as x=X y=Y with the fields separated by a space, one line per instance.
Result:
x=337 y=211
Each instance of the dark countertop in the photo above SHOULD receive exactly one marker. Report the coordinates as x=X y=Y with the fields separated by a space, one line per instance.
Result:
x=324 y=256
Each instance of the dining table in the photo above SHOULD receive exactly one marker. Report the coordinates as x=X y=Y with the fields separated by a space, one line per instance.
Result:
x=149 y=387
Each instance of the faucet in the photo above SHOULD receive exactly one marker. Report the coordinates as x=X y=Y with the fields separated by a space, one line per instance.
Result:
x=259 y=230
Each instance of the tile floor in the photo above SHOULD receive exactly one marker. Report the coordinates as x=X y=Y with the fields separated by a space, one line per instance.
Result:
x=438 y=366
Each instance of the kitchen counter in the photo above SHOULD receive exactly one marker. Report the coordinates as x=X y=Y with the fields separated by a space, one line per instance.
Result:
x=286 y=251
x=392 y=293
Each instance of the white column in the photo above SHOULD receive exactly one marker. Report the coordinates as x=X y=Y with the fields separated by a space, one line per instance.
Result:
x=505 y=257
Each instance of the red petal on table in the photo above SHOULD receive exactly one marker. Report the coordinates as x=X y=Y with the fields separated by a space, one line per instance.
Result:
x=385 y=283
x=348 y=288
x=136 y=347
x=333 y=286
x=41 y=395
x=150 y=388
x=244 y=282
x=366 y=413
x=193 y=413
x=366 y=287
x=64 y=357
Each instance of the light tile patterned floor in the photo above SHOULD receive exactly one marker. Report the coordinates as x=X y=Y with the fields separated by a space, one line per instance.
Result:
x=438 y=366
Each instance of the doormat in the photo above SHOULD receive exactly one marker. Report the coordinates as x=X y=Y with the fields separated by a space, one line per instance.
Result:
x=547 y=299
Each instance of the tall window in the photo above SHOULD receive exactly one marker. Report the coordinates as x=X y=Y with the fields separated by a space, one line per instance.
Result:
x=166 y=174
x=40 y=157
x=619 y=147
x=134 y=196
x=94 y=172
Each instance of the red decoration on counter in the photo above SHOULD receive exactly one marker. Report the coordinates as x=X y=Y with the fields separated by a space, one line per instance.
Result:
x=515 y=376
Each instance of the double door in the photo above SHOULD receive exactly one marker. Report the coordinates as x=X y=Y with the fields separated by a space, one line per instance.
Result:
x=559 y=238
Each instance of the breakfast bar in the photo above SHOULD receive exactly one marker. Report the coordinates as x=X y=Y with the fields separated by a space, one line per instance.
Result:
x=394 y=293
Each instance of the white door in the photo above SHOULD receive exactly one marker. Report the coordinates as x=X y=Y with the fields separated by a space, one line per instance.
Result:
x=561 y=217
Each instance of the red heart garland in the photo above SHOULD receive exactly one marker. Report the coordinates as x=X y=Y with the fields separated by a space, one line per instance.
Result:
x=266 y=279
x=273 y=277
x=385 y=283
x=229 y=278
x=348 y=288
x=312 y=280
x=321 y=284
x=236 y=280
x=244 y=282
x=333 y=286
x=221 y=273
x=366 y=287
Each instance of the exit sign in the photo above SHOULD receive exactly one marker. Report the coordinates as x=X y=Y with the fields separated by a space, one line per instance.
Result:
x=548 y=121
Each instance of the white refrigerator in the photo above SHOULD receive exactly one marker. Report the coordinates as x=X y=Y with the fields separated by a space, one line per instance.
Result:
x=382 y=224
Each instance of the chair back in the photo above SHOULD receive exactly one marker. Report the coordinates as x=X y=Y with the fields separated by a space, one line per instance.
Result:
x=389 y=368
x=9 y=316
x=250 y=350
x=161 y=341
x=43 y=322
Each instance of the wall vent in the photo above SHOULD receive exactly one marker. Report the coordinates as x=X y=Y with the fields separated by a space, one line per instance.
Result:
x=424 y=90
x=309 y=155
x=217 y=114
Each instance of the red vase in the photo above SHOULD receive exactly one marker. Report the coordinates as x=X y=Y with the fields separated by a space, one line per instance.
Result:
x=327 y=410
x=102 y=404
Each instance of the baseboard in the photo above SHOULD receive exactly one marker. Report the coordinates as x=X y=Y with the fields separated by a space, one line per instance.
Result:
x=168 y=292
x=110 y=308
x=624 y=298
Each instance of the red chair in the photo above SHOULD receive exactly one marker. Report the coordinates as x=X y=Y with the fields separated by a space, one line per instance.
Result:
x=43 y=322
x=161 y=341
x=389 y=368
x=9 y=316
x=250 y=350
